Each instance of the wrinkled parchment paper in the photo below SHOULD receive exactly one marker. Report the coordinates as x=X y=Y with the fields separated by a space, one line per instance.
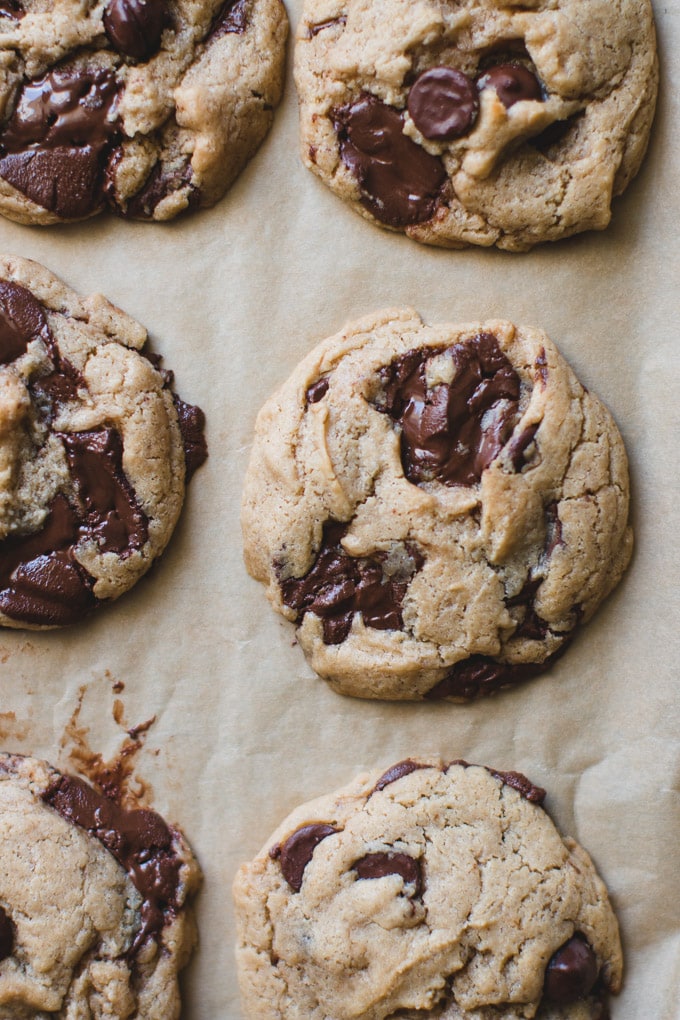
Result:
x=233 y=298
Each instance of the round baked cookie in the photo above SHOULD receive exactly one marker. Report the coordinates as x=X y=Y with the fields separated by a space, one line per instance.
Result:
x=432 y=889
x=477 y=121
x=151 y=107
x=95 y=913
x=437 y=507
x=95 y=450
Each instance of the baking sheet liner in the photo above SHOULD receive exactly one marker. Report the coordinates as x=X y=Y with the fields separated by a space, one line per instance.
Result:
x=233 y=298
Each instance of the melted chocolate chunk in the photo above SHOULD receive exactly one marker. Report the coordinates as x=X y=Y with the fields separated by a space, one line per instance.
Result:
x=139 y=840
x=512 y=83
x=313 y=30
x=296 y=852
x=402 y=768
x=54 y=145
x=111 y=515
x=337 y=586
x=378 y=865
x=532 y=626
x=231 y=18
x=443 y=103
x=554 y=530
x=11 y=9
x=400 y=182
x=160 y=183
x=192 y=426
x=524 y=786
x=518 y=446
x=572 y=971
x=134 y=27
x=6 y=935
x=480 y=676
x=452 y=432
x=317 y=391
x=22 y=320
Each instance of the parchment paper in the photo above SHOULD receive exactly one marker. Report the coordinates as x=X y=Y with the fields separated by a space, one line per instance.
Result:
x=233 y=297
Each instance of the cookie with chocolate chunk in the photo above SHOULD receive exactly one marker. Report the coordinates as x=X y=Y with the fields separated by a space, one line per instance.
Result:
x=476 y=122
x=96 y=917
x=95 y=450
x=149 y=107
x=431 y=890
x=436 y=507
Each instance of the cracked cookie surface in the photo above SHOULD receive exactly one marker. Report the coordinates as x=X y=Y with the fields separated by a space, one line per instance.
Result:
x=436 y=507
x=95 y=914
x=428 y=890
x=95 y=450
x=150 y=107
x=474 y=121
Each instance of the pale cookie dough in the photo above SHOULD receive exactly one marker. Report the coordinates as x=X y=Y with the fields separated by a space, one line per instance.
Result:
x=437 y=507
x=477 y=121
x=431 y=890
x=95 y=914
x=95 y=450
x=151 y=107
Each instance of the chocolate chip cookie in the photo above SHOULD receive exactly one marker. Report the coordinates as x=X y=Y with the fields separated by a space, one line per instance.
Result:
x=150 y=107
x=474 y=122
x=95 y=915
x=430 y=889
x=95 y=450
x=438 y=508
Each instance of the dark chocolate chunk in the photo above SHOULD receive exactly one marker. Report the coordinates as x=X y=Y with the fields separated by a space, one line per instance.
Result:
x=139 y=840
x=12 y=9
x=54 y=145
x=400 y=182
x=337 y=586
x=161 y=182
x=313 y=30
x=443 y=103
x=402 y=768
x=231 y=18
x=512 y=83
x=317 y=391
x=524 y=786
x=453 y=431
x=111 y=515
x=134 y=27
x=571 y=972
x=296 y=852
x=553 y=531
x=378 y=865
x=518 y=446
x=6 y=935
x=22 y=320
x=480 y=675
x=192 y=426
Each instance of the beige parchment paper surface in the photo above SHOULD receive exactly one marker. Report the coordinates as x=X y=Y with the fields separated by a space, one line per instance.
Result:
x=233 y=298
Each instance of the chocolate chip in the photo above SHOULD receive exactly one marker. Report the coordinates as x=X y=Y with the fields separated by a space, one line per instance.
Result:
x=296 y=852
x=443 y=103
x=519 y=444
x=134 y=27
x=378 y=865
x=553 y=530
x=138 y=839
x=479 y=676
x=337 y=586
x=512 y=83
x=192 y=427
x=161 y=182
x=571 y=972
x=524 y=786
x=54 y=145
x=452 y=431
x=6 y=935
x=317 y=391
x=313 y=30
x=22 y=320
x=402 y=768
x=400 y=182
x=12 y=9
x=231 y=18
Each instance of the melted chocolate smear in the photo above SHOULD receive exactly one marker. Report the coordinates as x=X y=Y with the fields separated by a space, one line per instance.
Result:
x=134 y=27
x=512 y=84
x=518 y=781
x=400 y=182
x=6 y=935
x=479 y=676
x=443 y=103
x=338 y=586
x=572 y=971
x=11 y=9
x=518 y=446
x=54 y=145
x=40 y=582
x=313 y=30
x=22 y=320
x=402 y=768
x=378 y=865
x=296 y=852
x=231 y=18
x=453 y=431
x=532 y=627
x=139 y=840
x=317 y=391
x=160 y=183
x=111 y=515
x=192 y=426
